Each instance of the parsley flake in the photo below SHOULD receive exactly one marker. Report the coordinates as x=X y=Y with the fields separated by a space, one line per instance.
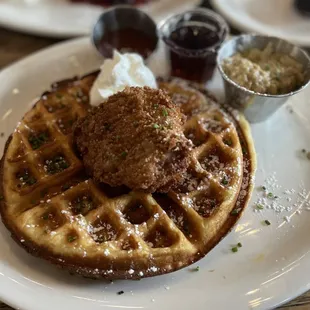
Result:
x=71 y=238
x=124 y=154
x=235 y=211
x=234 y=249
x=224 y=181
x=228 y=142
x=45 y=216
x=270 y=195
x=36 y=141
x=165 y=113
x=156 y=126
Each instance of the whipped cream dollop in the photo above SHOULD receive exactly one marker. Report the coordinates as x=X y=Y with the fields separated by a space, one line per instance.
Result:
x=119 y=72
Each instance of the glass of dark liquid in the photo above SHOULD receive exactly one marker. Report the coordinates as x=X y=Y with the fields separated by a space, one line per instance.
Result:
x=193 y=39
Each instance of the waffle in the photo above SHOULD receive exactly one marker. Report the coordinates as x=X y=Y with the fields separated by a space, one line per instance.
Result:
x=56 y=212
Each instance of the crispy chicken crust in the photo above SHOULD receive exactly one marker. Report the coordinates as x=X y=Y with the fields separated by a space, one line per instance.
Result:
x=135 y=139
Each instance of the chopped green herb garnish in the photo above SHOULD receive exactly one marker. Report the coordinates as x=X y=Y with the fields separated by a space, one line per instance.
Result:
x=244 y=150
x=259 y=207
x=197 y=268
x=56 y=165
x=71 y=238
x=235 y=211
x=234 y=249
x=264 y=188
x=276 y=197
x=228 y=142
x=239 y=245
x=37 y=141
x=83 y=204
x=165 y=113
x=156 y=126
x=270 y=195
x=45 y=216
x=267 y=222
x=120 y=293
x=224 y=180
x=124 y=154
x=26 y=178
x=304 y=151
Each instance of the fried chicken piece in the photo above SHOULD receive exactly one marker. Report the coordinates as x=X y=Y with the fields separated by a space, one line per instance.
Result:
x=135 y=139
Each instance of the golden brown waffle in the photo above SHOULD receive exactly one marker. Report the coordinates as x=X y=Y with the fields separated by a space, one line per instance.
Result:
x=55 y=212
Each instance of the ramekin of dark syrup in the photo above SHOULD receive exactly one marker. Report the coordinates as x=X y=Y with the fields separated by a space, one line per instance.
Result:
x=126 y=29
x=193 y=40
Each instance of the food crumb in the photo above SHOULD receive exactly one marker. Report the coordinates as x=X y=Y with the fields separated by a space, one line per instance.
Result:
x=266 y=222
x=120 y=293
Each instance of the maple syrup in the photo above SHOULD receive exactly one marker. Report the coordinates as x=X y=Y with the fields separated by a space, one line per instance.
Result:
x=193 y=40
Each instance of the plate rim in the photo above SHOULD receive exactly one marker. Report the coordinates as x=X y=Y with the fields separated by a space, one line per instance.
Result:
x=250 y=28
x=59 y=34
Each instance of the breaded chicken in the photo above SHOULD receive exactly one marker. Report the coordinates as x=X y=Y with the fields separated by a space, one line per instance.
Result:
x=135 y=139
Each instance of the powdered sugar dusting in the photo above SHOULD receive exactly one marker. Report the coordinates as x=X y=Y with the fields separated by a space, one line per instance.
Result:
x=271 y=196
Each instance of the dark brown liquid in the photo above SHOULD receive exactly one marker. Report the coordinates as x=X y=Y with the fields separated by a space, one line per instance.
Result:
x=111 y=2
x=127 y=40
x=191 y=64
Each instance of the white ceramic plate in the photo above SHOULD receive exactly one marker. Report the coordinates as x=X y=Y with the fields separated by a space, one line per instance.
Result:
x=269 y=17
x=60 y=18
x=272 y=266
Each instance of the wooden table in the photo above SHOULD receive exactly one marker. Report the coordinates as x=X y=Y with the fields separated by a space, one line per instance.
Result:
x=14 y=46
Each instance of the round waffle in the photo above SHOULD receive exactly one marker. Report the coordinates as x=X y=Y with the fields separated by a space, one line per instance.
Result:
x=56 y=212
